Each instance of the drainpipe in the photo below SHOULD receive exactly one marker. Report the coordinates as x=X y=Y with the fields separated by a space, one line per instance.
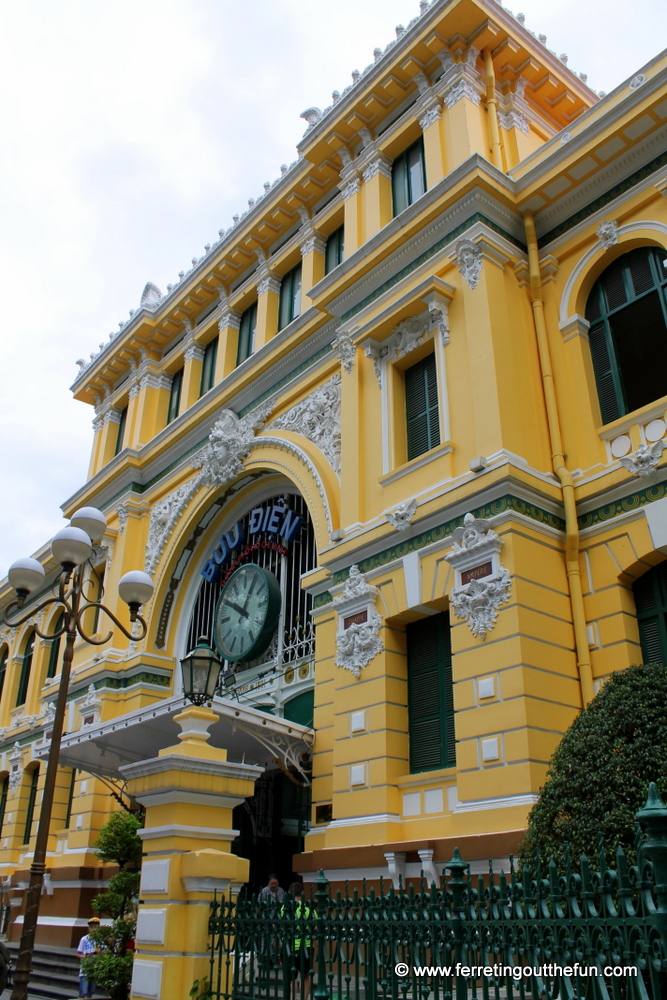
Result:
x=492 y=110
x=564 y=475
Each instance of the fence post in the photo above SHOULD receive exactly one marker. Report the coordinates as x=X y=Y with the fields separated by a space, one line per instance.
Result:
x=457 y=885
x=322 y=896
x=653 y=820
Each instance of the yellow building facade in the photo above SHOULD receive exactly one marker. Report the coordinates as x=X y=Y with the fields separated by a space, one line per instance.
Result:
x=420 y=384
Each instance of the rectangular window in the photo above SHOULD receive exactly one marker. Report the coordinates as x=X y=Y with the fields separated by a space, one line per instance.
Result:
x=430 y=694
x=421 y=407
x=54 y=652
x=175 y=396
x=208 y=366
x=3 y=670
x=334 y=250
x=247 y=334
x=121 y=430
x=408 y=176
x=290 y=297
x=30 y=812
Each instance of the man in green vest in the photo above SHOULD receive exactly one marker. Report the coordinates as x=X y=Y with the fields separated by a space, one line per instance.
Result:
x=301 y=944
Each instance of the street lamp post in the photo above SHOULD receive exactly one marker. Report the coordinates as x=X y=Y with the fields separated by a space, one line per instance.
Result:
x=71 y=547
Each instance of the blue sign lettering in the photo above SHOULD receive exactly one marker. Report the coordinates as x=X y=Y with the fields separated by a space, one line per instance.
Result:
x=276 y=519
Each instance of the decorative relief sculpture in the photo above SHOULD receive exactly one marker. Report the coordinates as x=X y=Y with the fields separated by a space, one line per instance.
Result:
x=402 y=516
x=643 y=461
x=90 y=706
x=345 y=349
x=15 y=768
x=430 y=116
x=479 y=600
x=350 y=188
x=123 y=514
x=357 y=639
x=151 y=297
x=469 y=260
x=607 y=233
x=219 y=461
x=475 y=557
x=410 y=333
x=317 y=418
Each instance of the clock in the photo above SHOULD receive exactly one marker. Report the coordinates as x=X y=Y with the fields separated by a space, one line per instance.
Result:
x=247 y=613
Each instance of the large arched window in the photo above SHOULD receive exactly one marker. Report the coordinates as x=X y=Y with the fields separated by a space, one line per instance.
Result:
x=627 y=310
x=3 y=668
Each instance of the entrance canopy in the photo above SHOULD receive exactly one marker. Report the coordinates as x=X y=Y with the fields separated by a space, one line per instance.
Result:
x=248 y=735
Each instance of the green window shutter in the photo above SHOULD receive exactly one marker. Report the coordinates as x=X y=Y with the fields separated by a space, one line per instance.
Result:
x=3 y=802
x=247 y=334
x=650 y=593
x=70 y=798
x=24 y=679
x=430 y=694
x=334 y=250
x=3 y=669
x=55 y=648
x=421 y=407
x=399 y=184
x=290 y=297
x=175 y=396
x=121 y=430
x=208 y=366
x=30 y=812
x=408 y=176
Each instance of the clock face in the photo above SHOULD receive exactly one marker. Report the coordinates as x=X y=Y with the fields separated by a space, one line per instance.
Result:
x=247 y=613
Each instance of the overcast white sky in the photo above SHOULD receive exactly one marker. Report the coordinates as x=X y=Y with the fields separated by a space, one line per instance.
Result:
x=131 y=131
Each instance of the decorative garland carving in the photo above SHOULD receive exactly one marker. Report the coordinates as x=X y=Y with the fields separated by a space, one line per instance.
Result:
x=469 y=260
x=317 y=418
x=607 y=233
x=15 y=761
x=477 y=547
x=358 y=643
x=345 y=349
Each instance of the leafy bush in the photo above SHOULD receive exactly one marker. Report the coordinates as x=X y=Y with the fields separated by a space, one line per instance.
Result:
x=111 y=967
x=599 y=774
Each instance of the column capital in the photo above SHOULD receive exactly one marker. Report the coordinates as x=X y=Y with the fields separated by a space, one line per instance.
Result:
x=268 y=282
x=377 y=164
x=313 y=242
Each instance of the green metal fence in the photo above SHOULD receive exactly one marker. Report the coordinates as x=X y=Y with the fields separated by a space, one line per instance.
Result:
x=593 y=933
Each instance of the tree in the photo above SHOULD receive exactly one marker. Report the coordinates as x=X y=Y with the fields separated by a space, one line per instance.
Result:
x=111 y=968
x=599 y=774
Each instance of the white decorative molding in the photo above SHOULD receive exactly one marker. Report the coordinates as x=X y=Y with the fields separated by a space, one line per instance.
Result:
x=350 y=187
x=229 y=318
x=476 y=598
x=514 y=118
x=607 y=233
x=345 y=349
x=379 y=164
x=268 y=282
x=151 y=297
x=219 y=461
x=401 y=517
x=468 y=257
x=462 y=88
x=359 y=642
x=430 y=116
x=90 y=705
x=15 y=761
x=317 y=418
x=122 y=512
x=193 y=352
x=313 y=243
x=644 y=460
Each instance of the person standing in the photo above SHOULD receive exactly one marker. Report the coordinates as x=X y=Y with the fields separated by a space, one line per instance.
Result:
x=87 y=947
x=272 y=894
x=272 y=891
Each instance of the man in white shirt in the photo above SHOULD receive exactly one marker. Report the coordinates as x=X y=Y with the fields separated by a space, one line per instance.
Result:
x=87 y=947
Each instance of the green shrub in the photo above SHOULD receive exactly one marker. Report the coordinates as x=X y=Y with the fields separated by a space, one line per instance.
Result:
x=599 y=774
x=111 y=972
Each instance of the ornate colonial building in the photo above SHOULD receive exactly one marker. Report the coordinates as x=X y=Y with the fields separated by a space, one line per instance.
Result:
x=420 y=388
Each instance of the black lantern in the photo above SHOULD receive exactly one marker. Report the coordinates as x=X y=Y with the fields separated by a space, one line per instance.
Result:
x=201 y=672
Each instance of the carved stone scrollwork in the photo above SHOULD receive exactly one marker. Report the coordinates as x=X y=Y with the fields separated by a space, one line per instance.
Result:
x=607 y=233
x=357 y=639
x=15 y=768
x=220 y=460
x=430 y=116
x=345 y=349
x=475 y=557
x=317 y=418
x=644 y=460
x=469 y=260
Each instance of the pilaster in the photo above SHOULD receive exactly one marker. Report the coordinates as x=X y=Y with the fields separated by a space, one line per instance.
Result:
x=189 y=792
x=268 y=303
x=228 y=343
x=192 y=357
x=313 y=249
x=377 y=198
x=152 y=405
x=430 y=120
x=350 y=188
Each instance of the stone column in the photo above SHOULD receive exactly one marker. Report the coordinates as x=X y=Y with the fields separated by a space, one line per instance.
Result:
x=430 y=120
x=313 y=250
x=109 y=436
x=152 y=405
x=189 y=792
x=268 y=302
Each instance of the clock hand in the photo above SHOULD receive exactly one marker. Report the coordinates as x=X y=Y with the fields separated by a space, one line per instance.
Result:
x=241 y=611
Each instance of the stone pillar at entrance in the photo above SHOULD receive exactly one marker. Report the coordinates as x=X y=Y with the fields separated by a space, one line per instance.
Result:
x=189 y=792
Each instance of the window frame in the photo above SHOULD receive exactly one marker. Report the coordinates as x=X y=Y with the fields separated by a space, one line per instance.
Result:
x=247 y=333
x=26 y=669
x=175 y=392
x=122 y=427
x=402 y=191
x=428 y=366
x=445 y=715
x=289 y=305
x=208 y=365
x=607 y=369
